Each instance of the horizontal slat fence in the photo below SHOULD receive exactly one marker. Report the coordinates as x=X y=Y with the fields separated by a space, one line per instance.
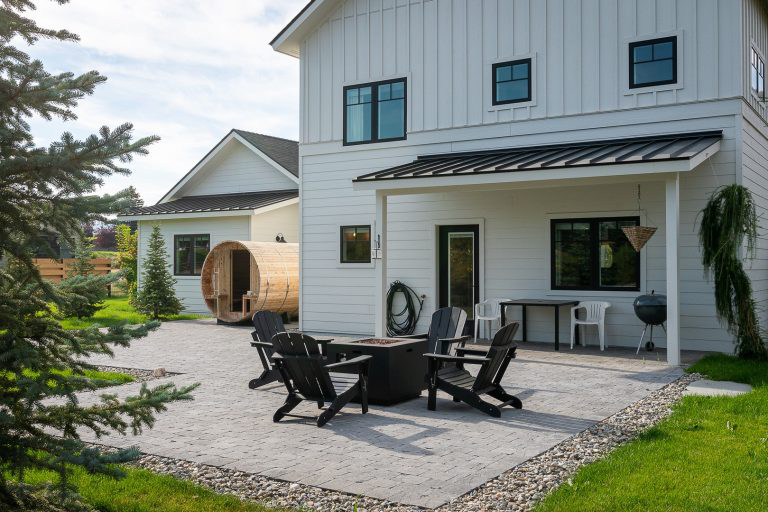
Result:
x=56 y=270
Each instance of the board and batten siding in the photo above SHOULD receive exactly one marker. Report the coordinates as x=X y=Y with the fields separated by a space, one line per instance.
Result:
x=340 y=299
x=236 y=169
x=219 y=228
x=445 y=47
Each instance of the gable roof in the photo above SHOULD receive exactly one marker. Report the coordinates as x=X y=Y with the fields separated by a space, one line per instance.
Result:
x=288 y=40
x=214 y=203
x=265 y=146
x=283 y=151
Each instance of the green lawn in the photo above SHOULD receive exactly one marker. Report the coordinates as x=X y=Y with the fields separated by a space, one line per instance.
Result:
x=104 y=379
x=117 y=311
x=710 y=455
x=144 y=491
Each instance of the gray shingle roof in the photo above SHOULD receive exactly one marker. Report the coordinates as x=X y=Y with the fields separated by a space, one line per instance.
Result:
x=556 y=156
x=283 y=151
x=215 y=203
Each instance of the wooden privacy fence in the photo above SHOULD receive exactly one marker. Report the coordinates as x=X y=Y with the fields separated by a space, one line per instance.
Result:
x=56 y=270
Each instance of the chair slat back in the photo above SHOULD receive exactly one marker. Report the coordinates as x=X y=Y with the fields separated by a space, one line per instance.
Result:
x=446 y=323
x=500 y=345
x=595 y=310
x=304 y=364
x=266 y=324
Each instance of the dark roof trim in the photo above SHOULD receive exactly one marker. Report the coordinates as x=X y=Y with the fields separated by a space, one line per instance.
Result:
x=290 y=23
x=214 y=203
x=553 y=156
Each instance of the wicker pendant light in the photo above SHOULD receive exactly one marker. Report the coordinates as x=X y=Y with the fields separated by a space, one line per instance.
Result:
x=638 y=235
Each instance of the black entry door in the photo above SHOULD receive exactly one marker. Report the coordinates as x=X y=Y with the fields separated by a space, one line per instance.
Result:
x=459 y=262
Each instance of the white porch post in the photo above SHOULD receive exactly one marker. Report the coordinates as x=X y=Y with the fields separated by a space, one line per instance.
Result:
x=673 y=265
x=380 y=235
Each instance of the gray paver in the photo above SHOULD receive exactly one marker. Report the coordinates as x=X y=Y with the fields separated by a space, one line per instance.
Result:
x=428 y=457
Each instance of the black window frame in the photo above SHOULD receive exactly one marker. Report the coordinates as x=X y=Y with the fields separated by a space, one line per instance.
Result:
x=756 y=57
x=647 y=42
x=341 y=243
x=594 y=241
x=375 y=111
x=494 y=98
x=194 y=236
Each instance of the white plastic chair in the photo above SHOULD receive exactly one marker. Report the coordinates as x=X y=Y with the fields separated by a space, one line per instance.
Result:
x=487 y=311
x=595 y=315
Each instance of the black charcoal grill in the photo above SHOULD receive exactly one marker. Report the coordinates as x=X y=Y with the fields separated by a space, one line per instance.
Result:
x=652 y=310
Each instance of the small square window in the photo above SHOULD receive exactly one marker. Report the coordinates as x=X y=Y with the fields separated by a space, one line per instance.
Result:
x=512 y=82
x=189 y=252
x=355 y=244
x=375 y=112
x=653 y=62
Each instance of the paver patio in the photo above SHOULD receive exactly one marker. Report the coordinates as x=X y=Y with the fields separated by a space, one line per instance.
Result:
x=403 y=453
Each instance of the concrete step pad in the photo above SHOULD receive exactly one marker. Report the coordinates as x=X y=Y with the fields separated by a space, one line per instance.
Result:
x=706 y=387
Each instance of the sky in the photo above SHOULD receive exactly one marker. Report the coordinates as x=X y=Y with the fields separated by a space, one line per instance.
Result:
x=185 y=70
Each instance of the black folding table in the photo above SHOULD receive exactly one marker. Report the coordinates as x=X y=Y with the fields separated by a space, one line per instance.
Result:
x=526 y=303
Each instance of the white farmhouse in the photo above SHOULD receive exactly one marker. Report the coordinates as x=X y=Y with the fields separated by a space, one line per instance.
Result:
x=511 y=138
x=245 y=188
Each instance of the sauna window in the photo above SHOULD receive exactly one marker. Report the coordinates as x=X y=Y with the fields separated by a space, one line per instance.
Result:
x=189 y=252
x=355 y=244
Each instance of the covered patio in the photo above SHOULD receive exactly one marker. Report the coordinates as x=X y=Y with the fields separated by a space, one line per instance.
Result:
x=514 y=195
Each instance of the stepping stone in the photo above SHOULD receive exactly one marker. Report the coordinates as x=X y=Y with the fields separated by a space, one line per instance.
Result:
x=706 y=387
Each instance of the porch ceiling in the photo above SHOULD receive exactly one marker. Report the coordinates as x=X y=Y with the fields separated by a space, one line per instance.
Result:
x=615 y=157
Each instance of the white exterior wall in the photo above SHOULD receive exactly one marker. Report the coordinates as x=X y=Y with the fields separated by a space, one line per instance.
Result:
x=285 y=220
x=235 y=169
x=336 y=298
x=445 y=48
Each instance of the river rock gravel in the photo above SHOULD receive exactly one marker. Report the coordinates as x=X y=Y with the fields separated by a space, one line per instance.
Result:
x=516 y=490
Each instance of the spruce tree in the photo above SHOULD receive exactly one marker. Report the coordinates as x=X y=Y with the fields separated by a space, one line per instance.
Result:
x=82 y=266
x=157 y=296
x=52 y=189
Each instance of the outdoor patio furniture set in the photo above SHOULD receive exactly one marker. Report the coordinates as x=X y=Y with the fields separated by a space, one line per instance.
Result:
x=383 y=371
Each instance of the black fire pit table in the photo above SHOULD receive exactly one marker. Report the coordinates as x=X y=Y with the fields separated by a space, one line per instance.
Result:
x=397 y=370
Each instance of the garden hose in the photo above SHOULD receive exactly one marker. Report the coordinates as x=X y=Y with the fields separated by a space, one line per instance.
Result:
x=404 y=321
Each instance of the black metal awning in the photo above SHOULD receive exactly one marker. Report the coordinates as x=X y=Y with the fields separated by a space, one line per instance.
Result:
x=660 y=148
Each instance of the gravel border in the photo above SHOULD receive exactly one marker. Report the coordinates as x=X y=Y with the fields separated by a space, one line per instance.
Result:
x=138 y=374
x=518 y=489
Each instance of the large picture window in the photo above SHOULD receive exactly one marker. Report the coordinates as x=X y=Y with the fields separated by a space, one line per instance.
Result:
x=512 y=82
x=653 y=62
x=355 y=244
x=375 y=112
x=594 y=254
x=189 y=252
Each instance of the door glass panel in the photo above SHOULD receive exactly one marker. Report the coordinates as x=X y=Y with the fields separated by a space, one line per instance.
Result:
x=461 y=271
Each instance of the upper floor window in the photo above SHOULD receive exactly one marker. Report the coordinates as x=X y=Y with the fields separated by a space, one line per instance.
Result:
x=757 y=69
x=512 y=82
x=375 y=112
x=189 y=252
x=653 y=62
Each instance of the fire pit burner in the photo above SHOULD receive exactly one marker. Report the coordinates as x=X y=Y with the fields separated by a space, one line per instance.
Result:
x=377 y=341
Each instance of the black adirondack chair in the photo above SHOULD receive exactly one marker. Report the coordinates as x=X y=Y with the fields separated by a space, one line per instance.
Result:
x=307 y=376
x=266 y=324
x=454 y=379
x=445 y=331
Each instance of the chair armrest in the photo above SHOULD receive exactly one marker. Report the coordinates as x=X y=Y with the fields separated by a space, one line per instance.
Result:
x=324 y=341
x=413 y=336
x=460 y=351
x=261 y=344
x=457 y=359
x=356 y=361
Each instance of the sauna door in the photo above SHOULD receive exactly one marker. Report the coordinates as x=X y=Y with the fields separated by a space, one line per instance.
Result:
x=241 y=277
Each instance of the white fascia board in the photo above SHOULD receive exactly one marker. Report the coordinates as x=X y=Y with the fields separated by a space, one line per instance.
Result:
x=288 y=41
x=288 y=174
x=189 y=215
x=539 y=175
x=207 y=158
x=276 y=206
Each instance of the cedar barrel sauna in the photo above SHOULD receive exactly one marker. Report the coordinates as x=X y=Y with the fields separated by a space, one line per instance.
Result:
x=268 y=270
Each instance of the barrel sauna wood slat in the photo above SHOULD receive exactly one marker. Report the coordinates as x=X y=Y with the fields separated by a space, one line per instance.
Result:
x=273 y=276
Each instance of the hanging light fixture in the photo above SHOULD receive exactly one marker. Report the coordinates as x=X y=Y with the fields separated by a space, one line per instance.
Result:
x=638 y=235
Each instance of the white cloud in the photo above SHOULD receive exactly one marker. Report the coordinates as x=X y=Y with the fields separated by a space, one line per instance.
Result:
x=186 y=70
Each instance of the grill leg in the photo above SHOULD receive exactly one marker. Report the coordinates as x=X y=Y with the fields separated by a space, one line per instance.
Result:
x=642 y=337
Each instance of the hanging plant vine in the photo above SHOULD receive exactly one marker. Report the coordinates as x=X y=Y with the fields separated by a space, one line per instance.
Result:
x=727 y=220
